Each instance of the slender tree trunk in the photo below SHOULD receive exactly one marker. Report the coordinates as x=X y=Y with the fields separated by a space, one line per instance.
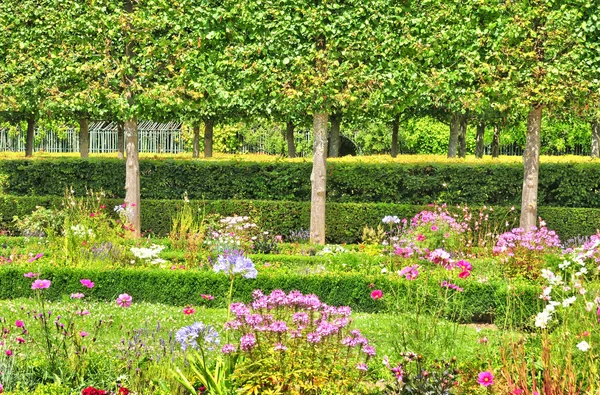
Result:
x=336 y=139
x=496 y=142
x=531 y=164
x=454 y=132
x=462 y=137
x=132 y=174
x=479 y=140
x=395 y=127
x=289 y=138
x=196 y=142
x=130 y=127
x=120 y=140
x=318 y=179
x=84 y=137
x=595 y=139
x=208 y=138
x=30 y=137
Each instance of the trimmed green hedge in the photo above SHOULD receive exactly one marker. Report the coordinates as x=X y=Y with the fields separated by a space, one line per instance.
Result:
x=479 y=301
x=561 y=184
x=344 y=221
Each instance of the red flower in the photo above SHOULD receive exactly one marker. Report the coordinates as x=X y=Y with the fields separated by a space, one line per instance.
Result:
x=377 y=294
x=189 y=310
x=123 y=391
x=93 y=391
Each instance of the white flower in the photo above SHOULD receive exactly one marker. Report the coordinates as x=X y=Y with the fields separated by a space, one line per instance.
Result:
x=564 y=265
x=569 y=301
x=589 y=306
x=583 y=346
x=542 y=319
x=383 y=271
x=546 y=293
x=581 y=271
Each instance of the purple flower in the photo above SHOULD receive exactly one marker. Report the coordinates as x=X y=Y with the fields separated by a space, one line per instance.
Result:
x=247 y=342
x=313 y=337
x=235 y=262
x=31 y=275
x=278 y=327
x=77 y=295
x=228 y=348
x=362 y=366
x=279 y=347
x=369 y=350
x=188 y=336
x=41 y=284
x=35 y=258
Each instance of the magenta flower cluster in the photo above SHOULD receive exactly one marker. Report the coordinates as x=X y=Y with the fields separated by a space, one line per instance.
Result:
x=534 y=240
x=291 y=322
x=436 y=218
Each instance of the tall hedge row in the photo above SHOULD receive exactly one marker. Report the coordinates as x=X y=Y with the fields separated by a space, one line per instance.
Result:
x=561 y=184
x=479 y=301
x=345 y=221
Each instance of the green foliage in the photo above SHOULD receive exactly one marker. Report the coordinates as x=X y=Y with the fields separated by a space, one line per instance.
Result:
x=480 y=300
x=561 y=184
x=345 y=221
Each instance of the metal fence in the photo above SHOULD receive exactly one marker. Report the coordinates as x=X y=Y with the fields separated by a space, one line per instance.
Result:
x=174 y=138
x=153 y=137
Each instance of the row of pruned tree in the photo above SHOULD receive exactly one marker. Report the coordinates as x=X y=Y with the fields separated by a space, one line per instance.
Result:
x=207 y=61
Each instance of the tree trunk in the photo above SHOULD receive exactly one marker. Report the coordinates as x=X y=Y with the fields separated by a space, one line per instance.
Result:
x=289 y=138
x=479 y=140
x=84 y=137
x=196 y=142
x=120 y=140
x=132 y=175
x=531 y=164
x=454 y=132
x=462 y=137
x=30 y=137
x=496 y=142
x=336 y=139
x=595 y=139
x=395 y=127
x=208 y=137
x=318 y=179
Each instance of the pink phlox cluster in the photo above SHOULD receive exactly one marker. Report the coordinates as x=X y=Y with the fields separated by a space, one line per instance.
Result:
x=438 y=218
x=533 y=240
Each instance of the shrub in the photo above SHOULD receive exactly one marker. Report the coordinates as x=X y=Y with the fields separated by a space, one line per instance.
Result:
x=370 y=180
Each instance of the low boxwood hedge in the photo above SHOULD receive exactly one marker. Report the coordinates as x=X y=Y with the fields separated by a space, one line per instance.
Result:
x=480 y=301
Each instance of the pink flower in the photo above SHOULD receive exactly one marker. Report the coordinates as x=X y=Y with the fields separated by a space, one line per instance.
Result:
x=20 y=340
x=517 y=391
x=87 y=283
x=376 y=294
x=8 y=353
x=434 y=228
x=83 y=333
x=208 y=297
x=189 y=310
x=420 y=237
x=124 y=300
x=464 y=274
x=228 y=349
x=83 y=312
x=35 y=258
x=41 y=284
x=485 y=379
x=92 y=215
x=77 y=295
x=31 y=275
x=19 y=324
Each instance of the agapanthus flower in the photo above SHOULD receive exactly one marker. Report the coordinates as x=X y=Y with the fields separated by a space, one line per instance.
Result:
x=188 y=336
x=234 y=262
x=389 y=219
